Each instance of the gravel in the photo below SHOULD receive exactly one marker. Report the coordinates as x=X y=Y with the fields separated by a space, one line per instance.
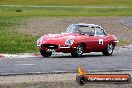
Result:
x=66 y=80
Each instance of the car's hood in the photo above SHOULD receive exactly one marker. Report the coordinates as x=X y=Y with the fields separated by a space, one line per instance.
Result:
x=60 y=35
x=57 y=38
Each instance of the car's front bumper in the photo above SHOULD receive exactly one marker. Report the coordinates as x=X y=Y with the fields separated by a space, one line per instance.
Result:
x=64 y=49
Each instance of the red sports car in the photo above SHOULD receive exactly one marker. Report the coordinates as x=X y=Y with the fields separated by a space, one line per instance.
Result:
x=78 y=39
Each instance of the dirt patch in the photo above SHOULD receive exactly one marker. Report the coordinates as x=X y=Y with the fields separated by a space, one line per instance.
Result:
x=51 y=25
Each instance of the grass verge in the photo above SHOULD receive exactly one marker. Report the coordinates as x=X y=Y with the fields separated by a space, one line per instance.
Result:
x=70 y=2
x=123 y=42
x=13 y=42
x=18 y=12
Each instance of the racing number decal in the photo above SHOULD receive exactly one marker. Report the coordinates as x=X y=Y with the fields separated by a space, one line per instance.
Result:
x=101 y=41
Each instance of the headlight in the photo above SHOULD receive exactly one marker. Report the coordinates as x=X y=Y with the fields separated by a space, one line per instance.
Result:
x=39 y=41
x=69 y=42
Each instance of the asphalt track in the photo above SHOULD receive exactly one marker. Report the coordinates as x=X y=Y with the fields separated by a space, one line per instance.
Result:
x=121 y=60
x=127 y=22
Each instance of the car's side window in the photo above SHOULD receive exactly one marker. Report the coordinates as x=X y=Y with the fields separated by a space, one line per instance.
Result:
x=99 y=31
x=87 y=30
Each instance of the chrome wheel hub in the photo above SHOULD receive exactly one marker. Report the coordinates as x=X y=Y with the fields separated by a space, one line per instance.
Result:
x=110 y=48
x=79 y=50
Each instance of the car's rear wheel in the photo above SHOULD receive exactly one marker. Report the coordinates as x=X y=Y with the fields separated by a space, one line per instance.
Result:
x=45 y=53
x=109 y=50
x=79 y=51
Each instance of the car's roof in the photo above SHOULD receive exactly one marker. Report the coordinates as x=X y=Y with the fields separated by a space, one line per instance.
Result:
x=84 y=24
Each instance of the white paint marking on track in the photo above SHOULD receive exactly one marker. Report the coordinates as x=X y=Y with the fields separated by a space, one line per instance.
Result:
x=43 y=6
x=21 y=55
x=26 y=64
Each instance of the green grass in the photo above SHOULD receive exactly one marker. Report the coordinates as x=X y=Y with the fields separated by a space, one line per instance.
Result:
x=123 y=42
x=70 y=2
x=13 y=42
x=57 y=12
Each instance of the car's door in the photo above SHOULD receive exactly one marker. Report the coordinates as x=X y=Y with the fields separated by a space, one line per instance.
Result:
x=96 y=39
x=100 y=39
x=88 y=33
x=93 y=38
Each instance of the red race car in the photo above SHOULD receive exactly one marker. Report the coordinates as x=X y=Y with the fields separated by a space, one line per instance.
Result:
x=78 y=39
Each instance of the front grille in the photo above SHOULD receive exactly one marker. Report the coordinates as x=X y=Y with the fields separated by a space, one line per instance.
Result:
x=49 y=46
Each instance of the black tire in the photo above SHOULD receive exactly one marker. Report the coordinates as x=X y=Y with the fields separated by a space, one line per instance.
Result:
x=79 y=51
x=45 y=53
x=81 y=80
x=109 y=50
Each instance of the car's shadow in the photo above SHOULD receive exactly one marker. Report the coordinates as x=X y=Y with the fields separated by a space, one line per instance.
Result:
x=83 y=56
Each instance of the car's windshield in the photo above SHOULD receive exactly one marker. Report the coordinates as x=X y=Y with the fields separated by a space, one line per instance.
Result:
x=80 y=29
x=71 y=29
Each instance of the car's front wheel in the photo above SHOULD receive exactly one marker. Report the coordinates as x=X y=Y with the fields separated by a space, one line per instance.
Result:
x=79 y=51
x=109 y=50
x=45 y=53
